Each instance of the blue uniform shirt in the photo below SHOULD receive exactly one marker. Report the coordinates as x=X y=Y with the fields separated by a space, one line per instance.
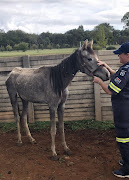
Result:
x=119 y=84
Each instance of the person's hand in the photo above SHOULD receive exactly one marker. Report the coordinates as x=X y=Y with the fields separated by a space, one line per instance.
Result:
x=97 y=80
x=101 y=63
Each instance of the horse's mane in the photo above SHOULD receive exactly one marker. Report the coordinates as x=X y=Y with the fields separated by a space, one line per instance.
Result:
x=68 y=67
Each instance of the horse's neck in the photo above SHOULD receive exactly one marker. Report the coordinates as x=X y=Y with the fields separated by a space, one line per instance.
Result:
x=69 y=68
x=63 y=73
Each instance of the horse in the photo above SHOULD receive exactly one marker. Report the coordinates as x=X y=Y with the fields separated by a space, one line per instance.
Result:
x=50 y=85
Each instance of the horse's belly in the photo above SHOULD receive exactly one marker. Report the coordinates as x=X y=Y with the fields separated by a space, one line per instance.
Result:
x=33 y=98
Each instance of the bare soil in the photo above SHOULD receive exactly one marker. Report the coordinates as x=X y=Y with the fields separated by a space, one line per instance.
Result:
x=94 y=156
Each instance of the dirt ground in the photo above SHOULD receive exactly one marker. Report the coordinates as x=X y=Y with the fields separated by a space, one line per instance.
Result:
x=94 y=156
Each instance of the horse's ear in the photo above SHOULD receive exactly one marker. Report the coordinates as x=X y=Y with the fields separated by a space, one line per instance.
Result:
x=91 y=44
x=85 y=44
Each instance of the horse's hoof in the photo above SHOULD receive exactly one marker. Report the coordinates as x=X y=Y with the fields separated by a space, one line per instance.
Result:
x=33 y=142
x=68 y=152
x=54 y=158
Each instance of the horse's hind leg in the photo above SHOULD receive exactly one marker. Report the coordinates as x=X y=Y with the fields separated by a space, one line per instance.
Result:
x=53 y=132
x=60 y=112
x=24 y=120
x=13 y=98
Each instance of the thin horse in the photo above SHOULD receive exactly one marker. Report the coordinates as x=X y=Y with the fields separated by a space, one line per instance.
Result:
x=49 y=85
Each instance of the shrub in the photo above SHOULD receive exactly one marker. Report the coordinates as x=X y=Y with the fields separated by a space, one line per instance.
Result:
x=23 y=46
x=110 y=48
x=9 y=48
x=97 y=47
x=2 y=48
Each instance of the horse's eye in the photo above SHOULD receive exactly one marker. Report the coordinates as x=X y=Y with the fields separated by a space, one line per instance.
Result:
x=89 y=59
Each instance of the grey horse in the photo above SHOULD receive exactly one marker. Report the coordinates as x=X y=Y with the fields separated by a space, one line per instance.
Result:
x=50 y=85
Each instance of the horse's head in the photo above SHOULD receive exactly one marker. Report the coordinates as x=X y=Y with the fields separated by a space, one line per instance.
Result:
x=88 y=62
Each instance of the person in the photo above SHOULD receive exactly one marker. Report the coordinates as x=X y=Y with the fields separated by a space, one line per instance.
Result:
x=118 y=88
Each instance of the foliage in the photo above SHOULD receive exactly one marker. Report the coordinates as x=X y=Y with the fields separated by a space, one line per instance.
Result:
x=103 y=31
x=110 y=48
x=72 y=125
x=2 y=48
x=101 y=39
x=23 y=46
x=39 y=126
x=91 y=124
x=5 y=127
x=125 y=20
x=96 y=47
x=9 y=48
x=102 y=35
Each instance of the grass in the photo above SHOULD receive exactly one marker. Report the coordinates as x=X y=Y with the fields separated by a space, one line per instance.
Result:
x=37 y=52
x=72 y=125
x=42 y=52
x=90 y=124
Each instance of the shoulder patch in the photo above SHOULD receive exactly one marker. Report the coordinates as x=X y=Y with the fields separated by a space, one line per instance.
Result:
x=122 y=73
x=117 y=80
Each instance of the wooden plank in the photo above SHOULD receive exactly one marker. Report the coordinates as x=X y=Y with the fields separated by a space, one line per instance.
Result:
x=49 y=57
x=2 y=69
x=7 y=120
x=10 y=59
x=98 y=115
x=84 y=113
x=68 y=118
x=46 y=111
x=107 y=118
x=106 y=113
x=105 y=52
x=30 y=114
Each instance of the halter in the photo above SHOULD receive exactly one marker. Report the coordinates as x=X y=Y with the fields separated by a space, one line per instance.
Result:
x=91 y=72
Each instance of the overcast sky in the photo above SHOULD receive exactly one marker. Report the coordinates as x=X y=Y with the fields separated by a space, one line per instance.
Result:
x=59 y=16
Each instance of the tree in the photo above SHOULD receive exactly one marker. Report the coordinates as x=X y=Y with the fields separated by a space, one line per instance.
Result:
x=16 y=47
x=125 y=20
x=23 y=46
x=116 y=37
x=75 y=36
x=108 y=32
x=57 y=46
x=2 y=48
x=101 y=40
x=9 y=48
x=34 y=46
x=41 y=46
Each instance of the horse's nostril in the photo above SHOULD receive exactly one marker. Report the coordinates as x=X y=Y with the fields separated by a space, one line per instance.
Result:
x=107 y=76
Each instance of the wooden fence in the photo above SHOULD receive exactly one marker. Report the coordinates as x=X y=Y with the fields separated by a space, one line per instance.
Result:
x=86 y=99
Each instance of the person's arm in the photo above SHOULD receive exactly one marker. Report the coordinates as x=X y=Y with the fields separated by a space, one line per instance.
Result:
x=102 y=84
x=112 y=72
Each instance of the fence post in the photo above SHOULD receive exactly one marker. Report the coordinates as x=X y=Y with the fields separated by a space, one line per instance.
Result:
x=97 y=96
x=98 y=113
x=30 y=115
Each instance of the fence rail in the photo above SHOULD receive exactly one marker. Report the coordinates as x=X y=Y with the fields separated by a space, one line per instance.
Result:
x=86 y=99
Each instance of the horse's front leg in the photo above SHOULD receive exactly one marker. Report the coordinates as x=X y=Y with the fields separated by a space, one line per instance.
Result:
x=53 y=132
x=60 y=112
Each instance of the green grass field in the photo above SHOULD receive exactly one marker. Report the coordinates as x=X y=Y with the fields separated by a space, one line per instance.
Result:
x=40 y=52
x=37 y=52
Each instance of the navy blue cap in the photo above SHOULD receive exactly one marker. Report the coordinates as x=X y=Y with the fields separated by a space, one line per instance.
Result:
x=124 y=48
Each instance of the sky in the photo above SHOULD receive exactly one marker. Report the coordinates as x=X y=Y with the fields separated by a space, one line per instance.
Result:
x=60 y=16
